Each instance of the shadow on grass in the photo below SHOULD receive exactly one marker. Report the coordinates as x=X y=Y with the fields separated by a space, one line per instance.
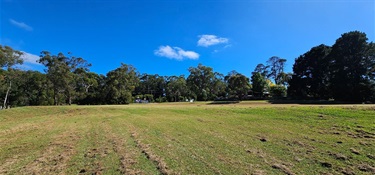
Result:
x=223 y=102
x=311 y=102
x=287 y=101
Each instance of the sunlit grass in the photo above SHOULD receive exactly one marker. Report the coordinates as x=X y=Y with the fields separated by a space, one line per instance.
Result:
x=188 y=138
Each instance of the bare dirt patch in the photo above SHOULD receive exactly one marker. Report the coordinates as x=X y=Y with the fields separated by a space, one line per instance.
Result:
x=354 y=151
x=339 y=156
x=6 y=166
x=54 y=159
x=347 y=171
x=283 y=168
x=18 y=128
x=366 y=168
x=359 y=133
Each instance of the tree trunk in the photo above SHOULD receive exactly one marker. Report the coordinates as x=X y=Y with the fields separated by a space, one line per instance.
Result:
x=55 y=96
x=87 y=88
x=6 y=95
x=70 y=100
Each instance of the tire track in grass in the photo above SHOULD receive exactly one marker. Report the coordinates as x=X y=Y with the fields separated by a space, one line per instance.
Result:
x=93 y=151
x=212 y=140
x=202 y=145
x=145 y=149
x=103 y=151
x=125 y=158
x=200 y=158
x=206 y=146
x=131 y=158
x=271 y=161
x=189 y=150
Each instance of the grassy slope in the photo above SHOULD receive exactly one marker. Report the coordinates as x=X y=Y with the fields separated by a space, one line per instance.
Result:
x=188 y=138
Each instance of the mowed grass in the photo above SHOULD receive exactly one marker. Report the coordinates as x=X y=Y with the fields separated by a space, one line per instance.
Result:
x=188 y=138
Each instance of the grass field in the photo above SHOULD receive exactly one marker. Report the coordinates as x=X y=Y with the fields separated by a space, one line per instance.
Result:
x=188 y=138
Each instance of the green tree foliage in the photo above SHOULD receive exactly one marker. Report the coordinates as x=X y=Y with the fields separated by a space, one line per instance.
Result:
x=219 y=87
x=311 y=70
x=284 y=78
x=35 y=89
x=10 y=86
x=371 y=72
x=89 y=87
x=28 y=88
x=204 y=83
x=259 y=84
x=276 y=66
x=344 y=71
x=57 y=73
x=8 y=58
x=61 y=72
x=176 y=88
x=278 y=91
x=351 y=71
x=238 y=85
x=96 y=94
x=262 y=69
x=120 y=84
x=151 y=84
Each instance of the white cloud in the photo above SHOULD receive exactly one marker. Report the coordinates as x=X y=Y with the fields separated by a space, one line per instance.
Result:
x=30 y=58
x=176 y=53
x=21 y=25
x=209 y=40
x=227 y=46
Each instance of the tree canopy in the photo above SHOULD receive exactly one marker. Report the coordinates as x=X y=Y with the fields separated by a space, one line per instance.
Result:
x=311 y=70
x=238 y=85
x=344 y=72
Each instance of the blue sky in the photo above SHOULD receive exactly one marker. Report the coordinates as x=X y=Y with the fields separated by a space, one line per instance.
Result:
x=166 y=37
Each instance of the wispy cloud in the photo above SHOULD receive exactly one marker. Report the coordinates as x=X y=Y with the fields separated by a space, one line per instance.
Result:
x=176 y=53
x=21 y=25
x=30 y=58
x=209 y=40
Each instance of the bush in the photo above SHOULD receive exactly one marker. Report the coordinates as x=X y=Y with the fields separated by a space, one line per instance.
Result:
x=149 y=97
x=278 y=91
x=161 y=99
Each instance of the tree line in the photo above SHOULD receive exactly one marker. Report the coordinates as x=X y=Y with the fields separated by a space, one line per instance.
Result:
x=343 y=72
